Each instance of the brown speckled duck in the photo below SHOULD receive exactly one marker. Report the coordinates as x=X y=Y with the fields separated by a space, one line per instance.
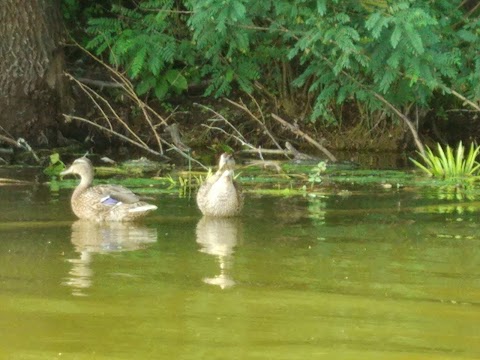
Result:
x=103 y=202
x=220 y=195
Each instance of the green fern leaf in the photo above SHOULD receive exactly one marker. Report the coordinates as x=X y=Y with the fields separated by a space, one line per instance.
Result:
x=321 y=7
x=396 y=36
x=415 y=39
x=138 y=62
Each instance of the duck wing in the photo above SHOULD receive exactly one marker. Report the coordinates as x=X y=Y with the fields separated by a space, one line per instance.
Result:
x=114 y=194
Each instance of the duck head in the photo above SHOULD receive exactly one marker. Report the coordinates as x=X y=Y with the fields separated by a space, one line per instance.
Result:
x=226 y=162
x=83 y=167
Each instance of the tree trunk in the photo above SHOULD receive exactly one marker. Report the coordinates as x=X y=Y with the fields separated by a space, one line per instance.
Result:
x=32 y=86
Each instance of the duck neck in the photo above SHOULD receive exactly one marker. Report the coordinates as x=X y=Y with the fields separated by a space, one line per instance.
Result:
x=85 y=182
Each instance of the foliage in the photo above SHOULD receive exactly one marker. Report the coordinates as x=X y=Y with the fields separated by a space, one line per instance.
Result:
x=315 y=176
x=449 y=164
x=55 y=167
x=147 y=41
x=331 y=52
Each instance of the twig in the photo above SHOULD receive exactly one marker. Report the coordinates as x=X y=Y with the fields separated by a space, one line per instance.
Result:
x=129 y=89
x=93 y=96
x=23 y=143
x=239 y=139
x=407 y=121
x=141 y=145
x=307 y=137
x=125 y=84
x=262 y=123
x=138 y=144
x=185 y=155
x=221 y=117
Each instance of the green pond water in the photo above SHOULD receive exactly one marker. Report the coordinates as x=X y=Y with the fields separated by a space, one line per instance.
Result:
x=378 y=274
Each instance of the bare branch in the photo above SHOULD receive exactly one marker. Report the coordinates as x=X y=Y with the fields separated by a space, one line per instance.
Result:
x=262 y=123
x=406 y=120
x=222 y=118
x=239 y=139
x=89 y=91
x=463 y=98
x=121 y=136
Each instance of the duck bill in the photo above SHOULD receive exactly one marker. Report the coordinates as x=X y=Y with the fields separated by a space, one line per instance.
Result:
x=66 y=172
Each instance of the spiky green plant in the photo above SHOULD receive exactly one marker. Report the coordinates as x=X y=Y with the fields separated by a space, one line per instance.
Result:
x=449 y=163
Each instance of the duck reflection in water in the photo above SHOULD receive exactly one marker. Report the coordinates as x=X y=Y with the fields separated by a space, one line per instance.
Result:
x=218 y=237
x=101 y=238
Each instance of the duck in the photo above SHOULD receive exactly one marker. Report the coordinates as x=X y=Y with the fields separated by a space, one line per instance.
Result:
x=220 y=195
x=103 y=202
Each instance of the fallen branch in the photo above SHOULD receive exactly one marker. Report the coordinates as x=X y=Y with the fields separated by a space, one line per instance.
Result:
x=307 y=137
x=297 y=155
x=9 y=141
x=266 y=151
x=21 y=143
x=99 y=83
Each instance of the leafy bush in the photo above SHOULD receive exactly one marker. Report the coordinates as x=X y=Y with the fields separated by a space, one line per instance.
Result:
x=331 y=52
x=449 y=165
x=147 y=42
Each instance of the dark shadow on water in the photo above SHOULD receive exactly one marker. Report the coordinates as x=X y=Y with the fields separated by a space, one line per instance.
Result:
x=218 y=237
x=102 y=238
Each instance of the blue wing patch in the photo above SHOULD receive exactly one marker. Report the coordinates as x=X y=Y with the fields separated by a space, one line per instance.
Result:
x=109 y=201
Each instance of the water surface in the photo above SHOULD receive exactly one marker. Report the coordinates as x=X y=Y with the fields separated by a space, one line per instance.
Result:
x=379 y=274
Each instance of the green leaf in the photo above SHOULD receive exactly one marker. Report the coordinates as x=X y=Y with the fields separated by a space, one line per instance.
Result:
x=446 y=164
x=176 y=79
x=56 y=166
x=161 y=89
x=414 y=38
x=55 y=158
x=138 y=62
x=322 y=7
x=396 y=36
x=145 y=85
x=229 y=75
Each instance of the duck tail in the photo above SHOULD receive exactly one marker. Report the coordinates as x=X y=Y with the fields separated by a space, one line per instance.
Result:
x=143 y=208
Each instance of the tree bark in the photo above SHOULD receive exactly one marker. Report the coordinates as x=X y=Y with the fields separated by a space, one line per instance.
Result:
x=32 y=87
